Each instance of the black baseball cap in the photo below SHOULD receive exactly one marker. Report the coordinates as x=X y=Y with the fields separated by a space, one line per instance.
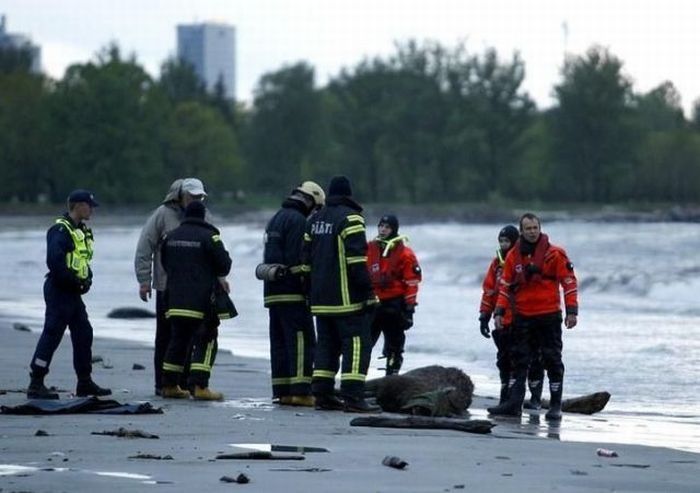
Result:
x=82 y=195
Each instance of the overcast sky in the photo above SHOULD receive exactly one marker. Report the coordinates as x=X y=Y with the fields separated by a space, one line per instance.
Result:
x=657 y=40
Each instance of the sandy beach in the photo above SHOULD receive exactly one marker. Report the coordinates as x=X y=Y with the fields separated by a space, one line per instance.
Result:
x=520 y=455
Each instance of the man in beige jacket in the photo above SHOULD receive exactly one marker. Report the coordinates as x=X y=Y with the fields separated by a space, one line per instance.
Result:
x=149 y=270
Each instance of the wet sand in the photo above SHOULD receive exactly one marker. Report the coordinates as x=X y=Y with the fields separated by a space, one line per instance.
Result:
x=520 y=455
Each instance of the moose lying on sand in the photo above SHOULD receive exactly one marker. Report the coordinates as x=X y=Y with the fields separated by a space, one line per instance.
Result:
x=447 y=392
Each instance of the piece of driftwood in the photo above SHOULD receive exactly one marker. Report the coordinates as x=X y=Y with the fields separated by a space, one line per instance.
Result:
x=131 y=312
x=259 y=455
x=395 y=462
x=481 y=426
x=427 y=391
x=124 y=433
x=585 y=404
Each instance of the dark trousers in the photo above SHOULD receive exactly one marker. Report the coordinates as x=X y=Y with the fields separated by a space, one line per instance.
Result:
x=292 y=348
x=347 y=336
x=503 y=338
x=189 y=336
x=538 y=334
x=163 y=335
x=389 y=320
x=63 y=310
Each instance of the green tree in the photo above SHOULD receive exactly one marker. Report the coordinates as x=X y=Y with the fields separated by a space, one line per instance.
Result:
x=594 y=138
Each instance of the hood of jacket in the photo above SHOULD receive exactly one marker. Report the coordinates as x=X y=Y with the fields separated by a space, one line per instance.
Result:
x=173 y=194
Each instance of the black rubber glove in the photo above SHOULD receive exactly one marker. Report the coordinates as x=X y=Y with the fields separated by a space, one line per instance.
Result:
x=408 y=316
x=484 y=325
x=85 y=286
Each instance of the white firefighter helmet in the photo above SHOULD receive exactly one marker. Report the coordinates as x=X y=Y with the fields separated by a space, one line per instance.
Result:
x=313 y=190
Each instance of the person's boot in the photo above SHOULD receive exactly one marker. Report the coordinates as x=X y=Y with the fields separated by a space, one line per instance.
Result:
x=285 y=400
x=535 y=395
x=555 y=391
x=303 y=400
x=514 y=405
x=393 y=364
x=87 y=387
x=503 y=397
x=174 y=392
x=359 y=405
x=328 y=402
x=37 y=389
x=206 y=394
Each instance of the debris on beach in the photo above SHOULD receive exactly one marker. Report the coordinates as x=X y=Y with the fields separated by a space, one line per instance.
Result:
x=124 y=433
x=395 y=462
x=151 y=456
x=240 y=479
x=21 y=327
x=41 y=433
x=585 y=404
x=604 y=452
x=259 y=455
x=481 y=426
x=96 y=358
x=131 y=312
x=80 y=405
x=634 y=466
x=137 y=366
x=302 y=469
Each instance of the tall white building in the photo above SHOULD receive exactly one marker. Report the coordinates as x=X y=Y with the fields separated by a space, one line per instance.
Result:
x=211 y=49
x=20 y=41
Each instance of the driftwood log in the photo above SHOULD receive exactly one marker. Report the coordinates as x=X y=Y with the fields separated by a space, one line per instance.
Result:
x=585 y=404
x=481 y=426
x=427 y=391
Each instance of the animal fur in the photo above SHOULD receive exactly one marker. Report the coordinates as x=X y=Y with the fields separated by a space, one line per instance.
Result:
x=427 y=391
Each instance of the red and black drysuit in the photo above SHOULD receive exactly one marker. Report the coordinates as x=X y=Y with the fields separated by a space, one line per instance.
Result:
x=395 y=274
x=533 y=275
x=503 y=337
x=194 y=257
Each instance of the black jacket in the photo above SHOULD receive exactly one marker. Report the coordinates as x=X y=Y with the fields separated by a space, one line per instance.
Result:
x=284 y=236
x=193 y=256
x=335 y=253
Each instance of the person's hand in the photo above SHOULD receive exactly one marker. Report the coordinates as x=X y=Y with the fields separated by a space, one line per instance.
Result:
x=484 y=328
x=498 y=322
x=570 y=321
x=145 y=291
x=224 y=284
x=85 y=285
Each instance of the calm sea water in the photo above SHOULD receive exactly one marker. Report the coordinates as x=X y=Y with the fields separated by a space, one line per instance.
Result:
x=639 y=326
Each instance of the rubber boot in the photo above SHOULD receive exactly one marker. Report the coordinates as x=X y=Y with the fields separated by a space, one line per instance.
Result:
x=555 y=391
x=393 y=364
x=285 y=400
x=206 y=394
x=37 y=389
x=535 y=395
x=328 y=402
x=174 y=392
x=87 y=387
x=504 y=393
x=514 y=405
x=355 y=405
x=303 y=400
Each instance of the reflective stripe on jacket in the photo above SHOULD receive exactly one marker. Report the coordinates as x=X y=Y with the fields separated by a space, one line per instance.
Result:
x=78 y=260
x=393 y=269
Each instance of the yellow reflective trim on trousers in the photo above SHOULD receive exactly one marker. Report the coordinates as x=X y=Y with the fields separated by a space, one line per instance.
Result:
x=284 y=298
x=356 y=218
x=352 y=230
x=324 y=374
x=172 y=367
x=208 y=357
x=356 y=348
x=356 y=260
x=181 y=312
x=344 y=291
x=294 y=380
x=200 y=367
x=359 y=377
x=300 y=354
x=334 y=310
x=281 y=381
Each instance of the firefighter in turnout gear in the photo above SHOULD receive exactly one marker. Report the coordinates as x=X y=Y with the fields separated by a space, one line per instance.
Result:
x=292 y=335
x=341 y=297
x=195 y=261
x=507 y=237
x=69 y=250
x=534 y=274
x=395 y=274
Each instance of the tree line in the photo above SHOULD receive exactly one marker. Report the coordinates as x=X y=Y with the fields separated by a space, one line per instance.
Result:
x=426 y=124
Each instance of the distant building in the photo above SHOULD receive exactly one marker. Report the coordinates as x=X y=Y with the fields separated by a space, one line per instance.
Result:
x=211 y=49
x=20 y=41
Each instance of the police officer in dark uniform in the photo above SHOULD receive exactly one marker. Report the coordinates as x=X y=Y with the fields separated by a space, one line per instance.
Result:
x=292 y=335
x=69 y=249
x=195 y=261
x=335 y=254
